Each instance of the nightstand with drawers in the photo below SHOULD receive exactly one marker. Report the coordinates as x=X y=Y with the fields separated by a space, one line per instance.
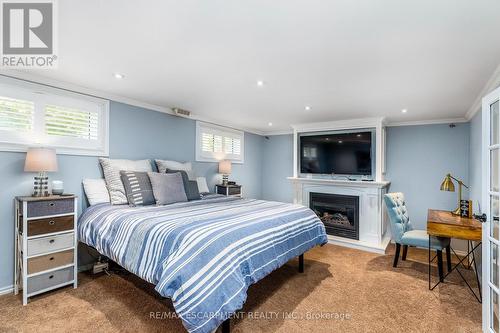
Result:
x=229 y=190
x=46 y=244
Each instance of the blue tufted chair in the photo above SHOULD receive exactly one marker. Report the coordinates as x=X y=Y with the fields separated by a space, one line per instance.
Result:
x=404 y=234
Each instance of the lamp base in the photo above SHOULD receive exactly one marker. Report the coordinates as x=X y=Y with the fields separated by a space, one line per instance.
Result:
x=225 y=180
x=456 y=212
x=41 y=185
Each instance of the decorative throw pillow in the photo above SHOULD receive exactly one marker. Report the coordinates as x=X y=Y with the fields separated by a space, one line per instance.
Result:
x=164 y=165
x=202 y=184
x=96 y=191
x=168 y=188
x=111 y=169
x=137 y=188
x=190 y=186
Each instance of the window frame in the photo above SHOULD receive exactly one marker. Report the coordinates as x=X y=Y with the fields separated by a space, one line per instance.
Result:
x=42 y=95
x=202 y=156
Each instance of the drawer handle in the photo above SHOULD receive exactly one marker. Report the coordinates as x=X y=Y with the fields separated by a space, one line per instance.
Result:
x=52 y=222
x=51 y=241
x=51 y=277
x=51 y=258
x=52 y=204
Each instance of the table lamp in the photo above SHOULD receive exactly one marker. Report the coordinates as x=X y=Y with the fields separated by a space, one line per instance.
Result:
x=447 y=185
x=41 y=160
x=225 y=170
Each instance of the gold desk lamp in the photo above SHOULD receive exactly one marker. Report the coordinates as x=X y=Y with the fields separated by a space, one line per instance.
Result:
x=447 y=185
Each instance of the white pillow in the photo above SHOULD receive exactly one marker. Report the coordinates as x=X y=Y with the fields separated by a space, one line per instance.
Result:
x=163 y=165
x=202 y=184
x=111 y=169
x=96 y=191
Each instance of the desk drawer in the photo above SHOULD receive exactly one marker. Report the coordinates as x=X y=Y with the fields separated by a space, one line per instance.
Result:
x=47 y=280
x=49 y=225
x=49 y=261
x=51 y=207
x=50 y=244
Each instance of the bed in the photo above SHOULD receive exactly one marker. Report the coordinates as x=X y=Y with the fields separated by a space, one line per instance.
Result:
x=202 y=254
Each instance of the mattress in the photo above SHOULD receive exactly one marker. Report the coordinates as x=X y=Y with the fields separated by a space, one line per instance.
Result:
x=202 y=254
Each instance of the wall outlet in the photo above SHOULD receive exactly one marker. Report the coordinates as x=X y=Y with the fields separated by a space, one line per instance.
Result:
x=99 y=267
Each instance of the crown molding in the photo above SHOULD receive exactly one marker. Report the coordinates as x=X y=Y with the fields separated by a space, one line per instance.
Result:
x=20 y=75
x=339 y=124
x=283 y=132
x=389 y=124
x=492 y=83
x=427 y=122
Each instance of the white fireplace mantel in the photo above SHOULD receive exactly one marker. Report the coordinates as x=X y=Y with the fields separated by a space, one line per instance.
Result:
x=373 y=233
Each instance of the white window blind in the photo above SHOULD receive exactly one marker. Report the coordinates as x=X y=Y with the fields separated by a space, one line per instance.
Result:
x=37 y=115
x=63 y=121
x=16 y=114
x=215 y=143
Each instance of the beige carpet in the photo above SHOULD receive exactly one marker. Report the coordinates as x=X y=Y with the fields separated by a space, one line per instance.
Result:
x=342 y=290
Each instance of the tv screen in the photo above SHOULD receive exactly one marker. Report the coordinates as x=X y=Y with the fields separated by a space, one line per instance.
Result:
x=345 y=153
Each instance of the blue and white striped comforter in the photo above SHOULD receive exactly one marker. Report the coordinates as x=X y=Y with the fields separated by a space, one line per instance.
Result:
x=202 y=254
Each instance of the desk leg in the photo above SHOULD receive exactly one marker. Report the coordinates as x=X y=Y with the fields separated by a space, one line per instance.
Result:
x=477 y=275
x=429 y=262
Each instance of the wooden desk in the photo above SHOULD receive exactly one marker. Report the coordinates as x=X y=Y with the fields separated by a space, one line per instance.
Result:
x=441 y=223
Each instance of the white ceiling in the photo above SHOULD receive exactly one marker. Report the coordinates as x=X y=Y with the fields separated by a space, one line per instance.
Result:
x=346 y=59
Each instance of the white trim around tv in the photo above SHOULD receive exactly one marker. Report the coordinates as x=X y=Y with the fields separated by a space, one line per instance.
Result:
x=377 y=124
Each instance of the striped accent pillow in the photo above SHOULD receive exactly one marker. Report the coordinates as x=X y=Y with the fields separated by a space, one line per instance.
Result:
x=111 y=169
x=138 y=188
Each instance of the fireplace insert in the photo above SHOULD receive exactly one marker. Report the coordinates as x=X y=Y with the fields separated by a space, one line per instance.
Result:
x=339 y=213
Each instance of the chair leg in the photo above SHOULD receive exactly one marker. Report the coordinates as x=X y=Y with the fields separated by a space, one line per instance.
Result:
x=440 y=264
x=448 y=258
x=396 y=255
x=405 y=252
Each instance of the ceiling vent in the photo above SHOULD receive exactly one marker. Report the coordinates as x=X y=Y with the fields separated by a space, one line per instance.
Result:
x=182 y=112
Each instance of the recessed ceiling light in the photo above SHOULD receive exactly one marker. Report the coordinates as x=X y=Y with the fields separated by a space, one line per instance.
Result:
x=327 y=139
x=270 y=124
x=404 y=111
x=307 y=108
x=340 y=141
x=118 y=76
x=358 y=135
x=260 y=83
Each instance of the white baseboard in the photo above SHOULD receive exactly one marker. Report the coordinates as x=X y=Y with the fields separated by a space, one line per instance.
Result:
x=7 y=290
x=360 y=245
x=459 y=252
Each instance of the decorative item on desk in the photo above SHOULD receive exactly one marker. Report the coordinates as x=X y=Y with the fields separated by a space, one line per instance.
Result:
x=57 y=187
x=41 y=160
x=466 y=208
x=225 y=170
x=447 y=185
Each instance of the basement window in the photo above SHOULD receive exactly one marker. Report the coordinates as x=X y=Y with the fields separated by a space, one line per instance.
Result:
x=37 y=115
x=215 y=143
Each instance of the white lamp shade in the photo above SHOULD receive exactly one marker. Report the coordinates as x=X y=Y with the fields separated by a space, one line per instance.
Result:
x=225 y=167
x=40 y=160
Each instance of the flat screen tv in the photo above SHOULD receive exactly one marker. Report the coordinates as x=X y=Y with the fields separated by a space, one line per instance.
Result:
x=336 y=153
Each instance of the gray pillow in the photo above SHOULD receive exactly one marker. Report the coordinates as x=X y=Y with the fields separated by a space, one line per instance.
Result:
x=138 y=188
x=168 y=188
x=190 y=186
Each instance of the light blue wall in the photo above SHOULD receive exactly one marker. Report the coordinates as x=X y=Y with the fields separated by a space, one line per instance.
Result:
x=475 y=173
x=278 y=157
x=135 y=133
x=419 y=157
